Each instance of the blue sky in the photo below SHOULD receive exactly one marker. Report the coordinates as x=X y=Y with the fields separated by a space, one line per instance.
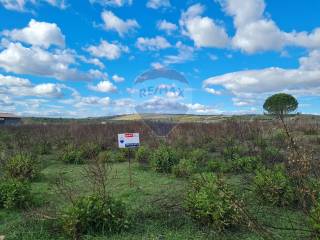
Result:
x=80 y=58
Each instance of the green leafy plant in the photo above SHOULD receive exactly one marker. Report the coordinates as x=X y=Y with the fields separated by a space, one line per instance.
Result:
x=89 y=150
x=43 y=148
x=112 y=156
x=246 y=164
x=211 y=202
x=272 y=155
x=164 y=158
x=94 y=214
x=314 y=218
x=185 y=168
x=142 y=156
x=14 y=194
x=72 y=155
x=119 y=156
x=22 y=167
x=219 y=165
x=274 y=187
x=233 y=150
x=200 y=158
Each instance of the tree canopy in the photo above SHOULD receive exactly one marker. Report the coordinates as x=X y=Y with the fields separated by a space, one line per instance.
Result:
x=280 y=104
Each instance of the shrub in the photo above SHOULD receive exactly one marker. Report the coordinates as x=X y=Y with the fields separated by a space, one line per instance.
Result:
x=104 y=156
x=314 y=218
x=112 y=156
x=233 y=151
x=280 y=137
x=185 y=168
x=246 y=164
x=22 y=167
x=274 y=186
x=14 y=194
x=89 y=150
x=200 y=158
x=42 y=148
x=163 y=159
x=72 y=155
x=272 y=155
x=143 y=156
x=212 y=203
x=119 y=156
x=94 y=214
x=219 y=165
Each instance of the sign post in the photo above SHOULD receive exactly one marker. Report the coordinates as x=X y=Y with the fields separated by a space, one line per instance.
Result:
x=129 y=140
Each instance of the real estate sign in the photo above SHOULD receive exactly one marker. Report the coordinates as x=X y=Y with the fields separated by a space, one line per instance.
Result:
x=128 y=140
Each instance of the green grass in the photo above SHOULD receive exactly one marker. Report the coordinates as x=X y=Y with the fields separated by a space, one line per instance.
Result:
x=155 y=204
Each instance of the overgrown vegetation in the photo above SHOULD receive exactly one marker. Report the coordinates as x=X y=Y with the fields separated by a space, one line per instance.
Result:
x=252 y=180
x=212 y=203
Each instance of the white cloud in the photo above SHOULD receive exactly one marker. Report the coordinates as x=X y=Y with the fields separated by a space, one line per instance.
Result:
x=185 y=53
x=212 y=91
x=255 y=32
x=22 y=5
x=198 y=108
x=251 y=85
x=81 y=102
x=38 y=34
x=152 y=44
x=112 y=3
x=155 y=4
x=36 y=61
x=110 y=51
x=160 y=105
x=166 y=26
x=117 y=78
x=204 y=31
x=114 y=23
x=132 y=90
x=103 y=86
x=23 y=87
x=94 y=61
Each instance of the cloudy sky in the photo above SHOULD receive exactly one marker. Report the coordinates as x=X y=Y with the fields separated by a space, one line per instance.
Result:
x=71 y=58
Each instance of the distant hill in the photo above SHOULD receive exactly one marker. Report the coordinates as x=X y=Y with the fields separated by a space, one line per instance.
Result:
x=156 y=117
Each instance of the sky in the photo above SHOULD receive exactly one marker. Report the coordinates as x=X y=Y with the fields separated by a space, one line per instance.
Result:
x=71 y=58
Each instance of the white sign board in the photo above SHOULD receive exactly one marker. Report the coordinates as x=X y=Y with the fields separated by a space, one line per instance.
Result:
x=128 y=140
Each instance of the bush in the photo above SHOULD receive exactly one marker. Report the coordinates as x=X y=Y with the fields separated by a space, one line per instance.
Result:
x=89 y=150
x=143 y=156
x=72 y=155
x=314 y=218
x=200 y=158
x=94 y=214
x=246 y=164
x=185 y=168
x=104 y=156
x=274 y=187
x=14 y=194
x=163 y=159
x=42 y=148
x=219 y=165
x=280 y=137
x=233 y=151
x=119 y=156
x=22 y=167
x=272 y=155
x=112 y=156
x=212 y=203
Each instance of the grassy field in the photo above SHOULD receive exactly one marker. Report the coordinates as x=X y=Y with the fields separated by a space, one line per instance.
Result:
x=155 y=202
x=149 y=201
